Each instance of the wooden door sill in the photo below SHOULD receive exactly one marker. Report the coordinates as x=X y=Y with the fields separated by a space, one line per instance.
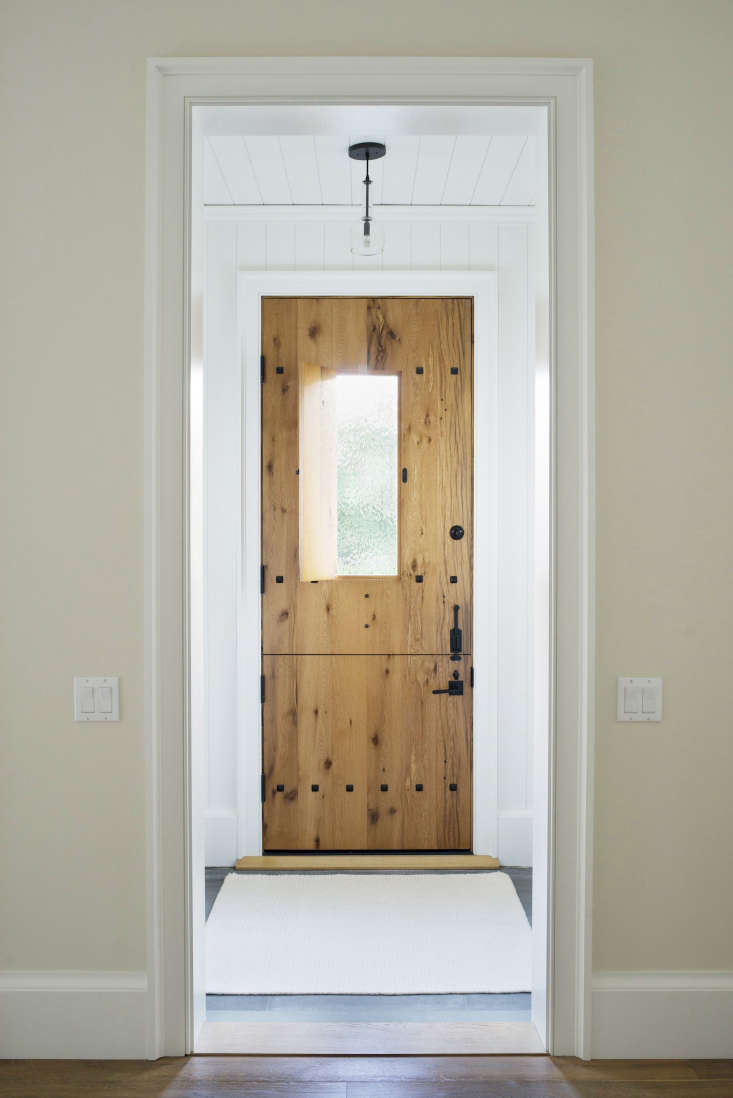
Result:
x=369 y=1038
x=350 y=862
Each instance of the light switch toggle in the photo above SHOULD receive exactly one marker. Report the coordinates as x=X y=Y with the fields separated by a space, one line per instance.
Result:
x=104 y=698
x=648 y=699
x=639 y=699
x=96 y=698
x=632 y=699
x=86 y=699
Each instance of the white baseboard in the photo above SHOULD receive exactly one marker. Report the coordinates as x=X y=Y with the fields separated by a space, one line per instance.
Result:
x=221 y=837
x=73 y=1015
x=515 y=838
x=658 y=1015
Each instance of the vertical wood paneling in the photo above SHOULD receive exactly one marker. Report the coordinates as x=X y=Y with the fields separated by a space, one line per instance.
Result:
x=336 y=246
x=514 y=484
x=454 y=251
x=483 y=244
x=251 y=245
x=397 y=252
x=274 y=246
x=280 y=245
x=221 y=521
x=309 y=245
x=425 y=246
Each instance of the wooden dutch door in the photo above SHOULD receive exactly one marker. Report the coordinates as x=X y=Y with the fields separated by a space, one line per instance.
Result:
x=367 y=552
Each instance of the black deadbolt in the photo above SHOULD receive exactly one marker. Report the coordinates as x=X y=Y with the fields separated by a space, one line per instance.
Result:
x=457 y=532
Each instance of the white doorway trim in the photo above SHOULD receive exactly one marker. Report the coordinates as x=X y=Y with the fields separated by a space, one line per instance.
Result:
x=174 y=87
x=481 y=287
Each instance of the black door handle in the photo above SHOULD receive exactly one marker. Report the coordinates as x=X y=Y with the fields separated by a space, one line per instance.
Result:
x=455 y=688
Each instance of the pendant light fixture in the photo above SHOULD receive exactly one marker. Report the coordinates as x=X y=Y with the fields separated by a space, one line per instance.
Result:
x=366 y=237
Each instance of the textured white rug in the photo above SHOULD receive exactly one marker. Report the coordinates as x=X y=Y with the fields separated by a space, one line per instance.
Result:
x=367 y=934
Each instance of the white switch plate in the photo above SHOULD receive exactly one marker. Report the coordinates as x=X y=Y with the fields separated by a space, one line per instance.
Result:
x=639 y=699
x=96 y=698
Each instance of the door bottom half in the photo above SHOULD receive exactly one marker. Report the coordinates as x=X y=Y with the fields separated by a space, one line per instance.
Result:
x=367 y=752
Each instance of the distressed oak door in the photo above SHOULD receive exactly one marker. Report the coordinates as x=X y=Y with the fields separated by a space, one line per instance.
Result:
x=367 y=550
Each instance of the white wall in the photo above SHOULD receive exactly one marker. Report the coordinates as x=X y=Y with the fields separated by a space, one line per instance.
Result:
x=71 y=303
x=424 y=245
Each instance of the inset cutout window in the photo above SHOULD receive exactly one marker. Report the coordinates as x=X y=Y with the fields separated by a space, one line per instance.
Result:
x=349 y=474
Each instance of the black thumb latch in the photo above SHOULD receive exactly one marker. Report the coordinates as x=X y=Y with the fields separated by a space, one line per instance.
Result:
x=456 y=634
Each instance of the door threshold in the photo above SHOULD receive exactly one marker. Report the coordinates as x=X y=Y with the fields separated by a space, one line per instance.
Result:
x=369 y=1038
x=346 y=862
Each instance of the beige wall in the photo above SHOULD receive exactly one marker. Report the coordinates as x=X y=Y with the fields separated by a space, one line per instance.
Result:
x=71 y=798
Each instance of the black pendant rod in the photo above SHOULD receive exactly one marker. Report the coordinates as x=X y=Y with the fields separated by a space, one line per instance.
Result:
x=366 y=151
x=367 y=184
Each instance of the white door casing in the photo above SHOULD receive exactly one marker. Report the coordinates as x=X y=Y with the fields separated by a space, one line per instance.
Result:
x=174 y=87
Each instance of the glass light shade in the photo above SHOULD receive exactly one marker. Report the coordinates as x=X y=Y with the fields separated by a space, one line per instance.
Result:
x=370 y=242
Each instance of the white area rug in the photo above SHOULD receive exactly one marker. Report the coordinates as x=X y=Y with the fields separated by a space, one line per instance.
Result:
x=367 y=934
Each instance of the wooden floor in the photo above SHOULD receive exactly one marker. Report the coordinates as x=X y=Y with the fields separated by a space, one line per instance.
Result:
x=367 y=1077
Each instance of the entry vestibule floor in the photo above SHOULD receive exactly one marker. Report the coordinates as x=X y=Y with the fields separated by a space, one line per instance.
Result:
x=371 y=1008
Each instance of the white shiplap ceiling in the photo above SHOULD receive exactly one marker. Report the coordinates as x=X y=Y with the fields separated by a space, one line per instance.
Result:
x=305 y=170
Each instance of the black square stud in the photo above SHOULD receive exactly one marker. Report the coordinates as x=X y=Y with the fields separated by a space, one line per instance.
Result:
x=314 y=789
x=419 y=787
x=454 y=579
x=278 y=579
x=453 y=787
x=279 y=369
x=454 y=369
x=419 y=369
x=349 y=789
x=280 y=788
x=418 y=579
x=384 y=788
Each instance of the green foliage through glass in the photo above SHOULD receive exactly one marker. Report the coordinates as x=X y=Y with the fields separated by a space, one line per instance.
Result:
x=366 y=410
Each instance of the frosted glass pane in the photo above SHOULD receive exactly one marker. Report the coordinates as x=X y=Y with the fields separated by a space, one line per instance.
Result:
x=365 y=409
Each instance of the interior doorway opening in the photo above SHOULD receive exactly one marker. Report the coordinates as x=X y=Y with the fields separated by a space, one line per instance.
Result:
x=463 y=238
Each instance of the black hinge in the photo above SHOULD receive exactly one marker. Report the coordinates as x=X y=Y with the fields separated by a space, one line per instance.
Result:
x=472 y=678
x=262 y=688
x=262 y=788
x=262 y=579
x=262 y=368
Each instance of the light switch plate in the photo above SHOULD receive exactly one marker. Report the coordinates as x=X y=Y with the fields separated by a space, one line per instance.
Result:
x=639 y=699
x=96 y=698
